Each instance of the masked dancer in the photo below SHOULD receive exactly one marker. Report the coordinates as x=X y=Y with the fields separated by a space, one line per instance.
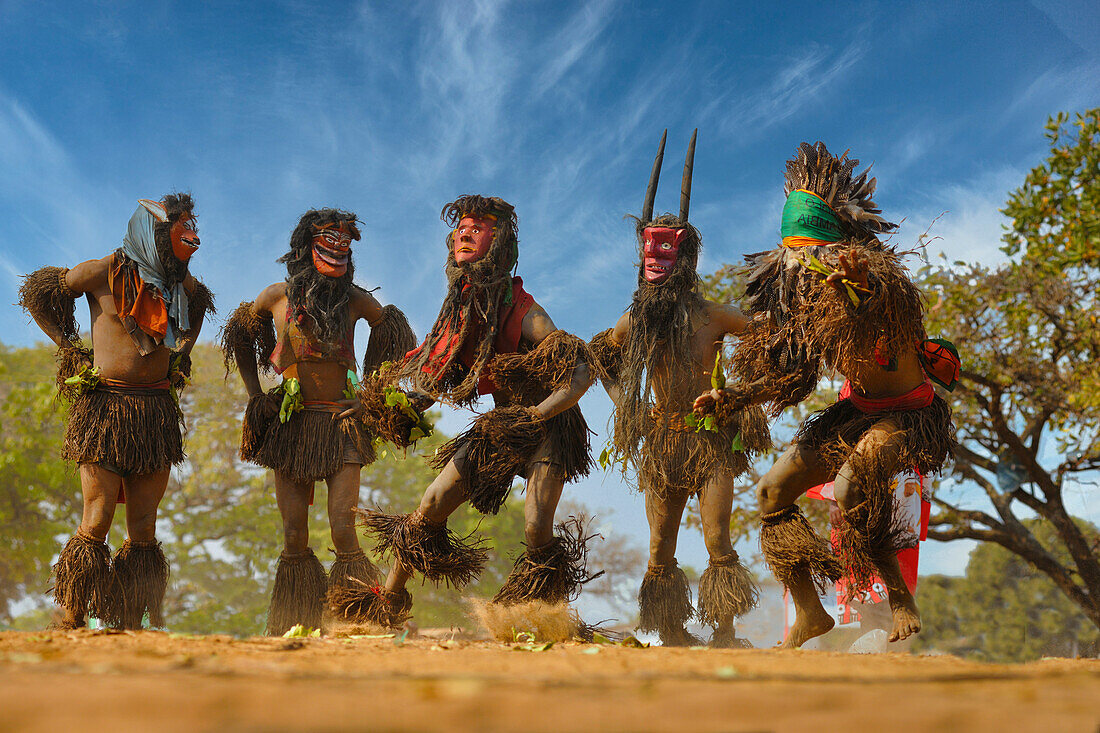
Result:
x=306 y=429
x=124 y=425
x=655 y=360
x=491 y=337
x=835 y=295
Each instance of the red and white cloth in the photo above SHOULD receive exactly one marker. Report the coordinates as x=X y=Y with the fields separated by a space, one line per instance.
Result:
x=910 y=506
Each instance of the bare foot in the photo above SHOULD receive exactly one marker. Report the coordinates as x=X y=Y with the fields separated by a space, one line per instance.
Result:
x=906 y=617
x=679 y=637
x=728 y=639
x=67 y=621
x=807 y=627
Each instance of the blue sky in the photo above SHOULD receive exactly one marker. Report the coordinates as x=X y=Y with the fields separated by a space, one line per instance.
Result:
x=263 y=110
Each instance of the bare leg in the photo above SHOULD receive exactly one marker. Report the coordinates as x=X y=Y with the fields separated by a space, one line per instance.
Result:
x=293 y=499
x=140 y=569
x=298 y=591
x=664 y=599
x=552 y=568
x=343 y=497
x=351 y=569
x=100 y=489
x=143 y=496
x=797 y=471
x=444 y=495
x=664 y=517
x=885 y=440
x=544 y=486
x=715 y=507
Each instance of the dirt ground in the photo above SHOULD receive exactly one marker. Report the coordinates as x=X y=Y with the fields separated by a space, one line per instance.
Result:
x=162 y=682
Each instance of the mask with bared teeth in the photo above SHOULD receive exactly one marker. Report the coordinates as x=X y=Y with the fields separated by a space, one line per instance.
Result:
x=331 y=245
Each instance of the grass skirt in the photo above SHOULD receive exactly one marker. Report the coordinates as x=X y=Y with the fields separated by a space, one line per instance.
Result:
x=135 y=433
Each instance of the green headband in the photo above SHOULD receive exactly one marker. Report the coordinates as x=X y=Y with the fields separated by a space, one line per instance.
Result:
x=808 y=220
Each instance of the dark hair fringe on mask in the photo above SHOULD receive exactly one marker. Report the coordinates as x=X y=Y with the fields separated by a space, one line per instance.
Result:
x=175 y=205
x=324 y=299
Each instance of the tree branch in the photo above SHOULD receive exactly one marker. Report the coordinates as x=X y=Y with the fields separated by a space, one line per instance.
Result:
x=970 y=456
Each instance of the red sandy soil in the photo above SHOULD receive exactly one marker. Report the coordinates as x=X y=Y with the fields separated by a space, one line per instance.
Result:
x=161 y=682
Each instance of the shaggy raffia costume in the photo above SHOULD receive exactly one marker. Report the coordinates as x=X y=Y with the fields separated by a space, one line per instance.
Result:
x=802 y=325
x=670 y=457
x=301 y=439
x=129 y=429
x=475 y=348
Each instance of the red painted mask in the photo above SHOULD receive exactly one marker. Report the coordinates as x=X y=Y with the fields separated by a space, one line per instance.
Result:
x=472 y=238
x=661 y=248
x=332 y=249
x=185 y=237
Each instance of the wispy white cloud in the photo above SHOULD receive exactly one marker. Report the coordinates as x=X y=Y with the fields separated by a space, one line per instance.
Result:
x=9 y=269
x=1064 y=87
x=970 y=223
x=465 y=72
x=37 y=173
x=792 y=88
x=42 y=190
x=572 y=43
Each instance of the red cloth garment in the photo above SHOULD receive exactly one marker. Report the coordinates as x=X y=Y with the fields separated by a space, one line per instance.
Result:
x=509 y=331
x=908 y=558
x=918 y=397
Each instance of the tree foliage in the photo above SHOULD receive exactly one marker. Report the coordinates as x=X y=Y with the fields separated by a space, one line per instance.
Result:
x=1056 y=212
x=35 y=486
x=1003 y=610
x=1028 y=402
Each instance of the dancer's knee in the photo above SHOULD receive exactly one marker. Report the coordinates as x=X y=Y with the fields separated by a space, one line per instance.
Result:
x=769 y=495
x=847 y=495
x=344 y=538
x=662 y=548
x=538 y=531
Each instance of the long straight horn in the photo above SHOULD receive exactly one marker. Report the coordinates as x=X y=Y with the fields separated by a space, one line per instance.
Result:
x=654 y=176
x=685 y=183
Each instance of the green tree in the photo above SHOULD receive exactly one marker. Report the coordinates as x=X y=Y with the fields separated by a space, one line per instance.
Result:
x=1056 y=213
x=1028 y=402
x=1004 y=610
x=37 y=496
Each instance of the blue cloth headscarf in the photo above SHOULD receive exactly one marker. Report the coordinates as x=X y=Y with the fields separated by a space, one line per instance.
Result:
x=140 y=246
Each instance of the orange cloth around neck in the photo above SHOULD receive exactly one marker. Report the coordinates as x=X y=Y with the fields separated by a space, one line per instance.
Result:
x=137 y=300
x=795 y=242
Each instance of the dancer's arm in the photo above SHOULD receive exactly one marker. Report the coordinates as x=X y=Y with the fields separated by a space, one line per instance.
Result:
x=49 y=296
x=249 y=337
x=537 y=326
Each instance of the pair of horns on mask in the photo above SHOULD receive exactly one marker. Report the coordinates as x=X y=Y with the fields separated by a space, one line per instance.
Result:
x=685 y=182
